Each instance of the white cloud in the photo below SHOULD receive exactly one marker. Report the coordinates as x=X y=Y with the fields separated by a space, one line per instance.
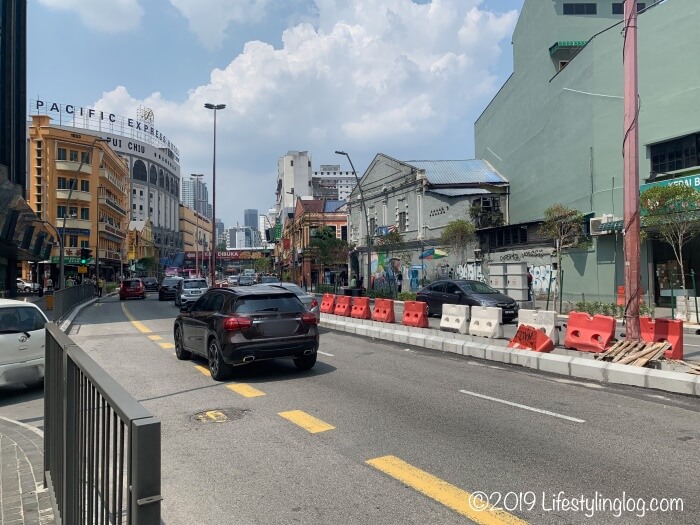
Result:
x=209 y=19
x=367 y=76
x=111 y=16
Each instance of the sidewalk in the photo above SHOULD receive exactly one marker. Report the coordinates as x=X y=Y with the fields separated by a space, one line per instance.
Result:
x=23 y=498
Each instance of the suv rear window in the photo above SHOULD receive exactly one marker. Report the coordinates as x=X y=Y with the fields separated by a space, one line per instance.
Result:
x=268 y=303
x=200 y=283
x=131 y=283
x=170 y=280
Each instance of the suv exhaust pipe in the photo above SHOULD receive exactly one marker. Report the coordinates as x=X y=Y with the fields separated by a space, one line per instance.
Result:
x=308 y=352
x=249 y=359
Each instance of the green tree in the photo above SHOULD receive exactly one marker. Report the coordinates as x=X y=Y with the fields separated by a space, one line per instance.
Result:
x=327 y=249
x=565 y=226
x=671 y=214
x=262 y=265
x=147 y=264
x=458 y=237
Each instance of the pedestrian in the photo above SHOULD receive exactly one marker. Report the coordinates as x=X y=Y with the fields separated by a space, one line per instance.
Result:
x=399 y=282
x=100 y=286
x=353 y=281
x=49 y=284
x=529 y=285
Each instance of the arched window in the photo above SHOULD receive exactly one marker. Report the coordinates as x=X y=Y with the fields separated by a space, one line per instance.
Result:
x=153 y=175
x=138 y=172
x=161 y=179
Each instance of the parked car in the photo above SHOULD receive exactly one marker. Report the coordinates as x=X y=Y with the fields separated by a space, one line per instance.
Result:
x=309 y=301
x=132 y=288
x=189 y=290
x=246 y=280
x=236 y=326
x=168 y=287
x=22 y=341
x=27 y=286
x=266 y=279
x=151 y=284
x=470 y=293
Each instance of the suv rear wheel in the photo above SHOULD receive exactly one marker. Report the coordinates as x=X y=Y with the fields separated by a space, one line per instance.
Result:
x=220 y=371
x=305 y=362
x=180 y=352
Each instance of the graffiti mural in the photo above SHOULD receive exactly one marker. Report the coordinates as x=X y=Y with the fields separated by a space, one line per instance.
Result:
x=471 y=271
x=541 y=276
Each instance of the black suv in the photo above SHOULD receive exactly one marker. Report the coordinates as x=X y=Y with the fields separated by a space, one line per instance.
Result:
x=236 y=326
x=151 y=284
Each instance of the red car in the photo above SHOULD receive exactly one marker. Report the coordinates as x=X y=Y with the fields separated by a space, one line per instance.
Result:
x=132 y=288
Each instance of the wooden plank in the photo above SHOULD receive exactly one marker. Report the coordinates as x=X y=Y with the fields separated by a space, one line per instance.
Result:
x=655 y=351
x=636 y=355
x=612 y=350
x=621 y=350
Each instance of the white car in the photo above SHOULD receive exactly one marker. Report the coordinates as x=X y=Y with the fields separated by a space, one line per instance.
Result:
x=26 y=286
x=22 y=342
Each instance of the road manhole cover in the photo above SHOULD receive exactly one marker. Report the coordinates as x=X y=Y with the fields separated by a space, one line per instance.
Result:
x=219 y=415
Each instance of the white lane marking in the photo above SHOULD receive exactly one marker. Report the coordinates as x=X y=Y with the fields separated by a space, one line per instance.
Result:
x=525 y=407
x=324 y=353
x=409 y=350
x=688 y=344
x=570 y=382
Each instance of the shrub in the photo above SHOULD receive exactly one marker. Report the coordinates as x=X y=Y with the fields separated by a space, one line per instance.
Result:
x=407 y=296
x=111 y=287
x=382 y=294
x=325 y=288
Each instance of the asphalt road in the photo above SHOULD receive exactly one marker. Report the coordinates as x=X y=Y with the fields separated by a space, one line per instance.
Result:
x=400 y=435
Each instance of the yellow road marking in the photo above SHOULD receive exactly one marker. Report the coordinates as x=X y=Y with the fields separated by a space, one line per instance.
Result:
x=155 y=337
x=166 y=345
x=138 y=324
x=306 y=421
x=204 y=370
x=245 y=390
x=456 y=499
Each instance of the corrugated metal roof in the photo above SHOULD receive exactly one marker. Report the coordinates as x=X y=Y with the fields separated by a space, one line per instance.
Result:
x=456 y=192
x=332 y=206
x=472 y=171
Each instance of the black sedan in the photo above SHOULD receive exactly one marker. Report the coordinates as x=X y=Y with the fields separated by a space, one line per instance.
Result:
x=470 y=293
x=168 y=287
x=237 y=326
x=151 y=284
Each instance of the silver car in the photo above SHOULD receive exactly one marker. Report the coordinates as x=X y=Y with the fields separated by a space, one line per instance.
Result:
x=189 y=290
x=309 y=301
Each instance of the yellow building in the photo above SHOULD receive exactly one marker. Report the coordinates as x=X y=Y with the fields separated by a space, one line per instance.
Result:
x=141 y=246
x=79 y=185
x=194 y=225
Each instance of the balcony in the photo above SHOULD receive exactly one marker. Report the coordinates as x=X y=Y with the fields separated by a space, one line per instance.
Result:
x=77 y=224
x=105 y=227
x=71 y=165
x=108 y=175
x=75 y=196
x=108 y=199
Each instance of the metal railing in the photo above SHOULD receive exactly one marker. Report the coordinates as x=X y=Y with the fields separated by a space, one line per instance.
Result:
x=68 y=298
x=102 y=454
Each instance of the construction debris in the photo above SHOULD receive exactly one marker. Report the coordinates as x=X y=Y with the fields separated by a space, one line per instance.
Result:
x=693 y=368
x=635 y=353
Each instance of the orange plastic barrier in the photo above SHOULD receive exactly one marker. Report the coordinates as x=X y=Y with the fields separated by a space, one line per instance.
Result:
x=327 y=303
x=415 y=313
x=589 y=334
x=620 y=296
x=360 y=308
x=658 y=330
x=384 y=311
x=530 y=338
x=343 y=305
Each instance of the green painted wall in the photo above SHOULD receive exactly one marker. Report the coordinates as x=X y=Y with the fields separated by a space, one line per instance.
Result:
x=558 y=137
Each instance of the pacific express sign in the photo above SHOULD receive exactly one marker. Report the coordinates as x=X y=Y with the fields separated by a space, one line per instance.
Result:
x=69 y=112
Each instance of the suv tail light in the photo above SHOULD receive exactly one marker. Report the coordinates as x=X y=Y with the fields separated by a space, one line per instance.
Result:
x=235 y=323
x=314 y=303
x=309 y=318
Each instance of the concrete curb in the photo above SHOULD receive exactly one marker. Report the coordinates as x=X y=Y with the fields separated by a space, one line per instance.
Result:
x=497 y=350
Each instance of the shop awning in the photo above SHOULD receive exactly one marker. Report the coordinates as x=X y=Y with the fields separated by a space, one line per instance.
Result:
x=612 y=226
x=567 y=45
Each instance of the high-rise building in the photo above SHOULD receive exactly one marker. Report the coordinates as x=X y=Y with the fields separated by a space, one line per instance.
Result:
x=293 y=179
x=329 y=183
x=250 y=221
x=189 y=194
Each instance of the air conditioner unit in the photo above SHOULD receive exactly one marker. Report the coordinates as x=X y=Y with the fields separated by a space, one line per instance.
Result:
x=596 y=222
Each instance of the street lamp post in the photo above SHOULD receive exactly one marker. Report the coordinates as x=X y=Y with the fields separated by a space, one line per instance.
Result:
x=214 y=107
x=364 y=209
x=61 y=259
x=58 y=237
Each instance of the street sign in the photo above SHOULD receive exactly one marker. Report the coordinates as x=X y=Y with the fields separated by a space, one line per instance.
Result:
x=82 y=269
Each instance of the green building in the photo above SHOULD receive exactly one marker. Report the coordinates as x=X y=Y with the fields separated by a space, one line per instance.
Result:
x=555 y=129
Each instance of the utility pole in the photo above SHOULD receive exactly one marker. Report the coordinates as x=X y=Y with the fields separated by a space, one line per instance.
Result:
x=631 y=173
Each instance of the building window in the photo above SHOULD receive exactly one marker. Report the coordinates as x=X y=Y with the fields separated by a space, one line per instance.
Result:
x=618 y=8
x=134 y=191
x=675 y=154
x=73 y=155
x=73 y=241
x=62 y=183
x=62 y=154
x=85 y=214
x=402 y=221
x=84 y=244
x=133 y=206
x=61 y=212
x=85 y=185
x=85 y=157
x=580 y=9
x=506 y=236
x=72 y=212
x=140 y=207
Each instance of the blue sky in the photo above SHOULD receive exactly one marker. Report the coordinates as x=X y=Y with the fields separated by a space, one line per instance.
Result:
x=406 y=78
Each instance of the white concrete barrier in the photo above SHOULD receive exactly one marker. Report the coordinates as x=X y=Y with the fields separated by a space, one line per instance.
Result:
x=486 y=322
x=544 y=320
x=455 y=318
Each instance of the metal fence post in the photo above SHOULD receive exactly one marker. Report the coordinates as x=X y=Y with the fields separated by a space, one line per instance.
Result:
x=144 y=479
x=70 y=478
